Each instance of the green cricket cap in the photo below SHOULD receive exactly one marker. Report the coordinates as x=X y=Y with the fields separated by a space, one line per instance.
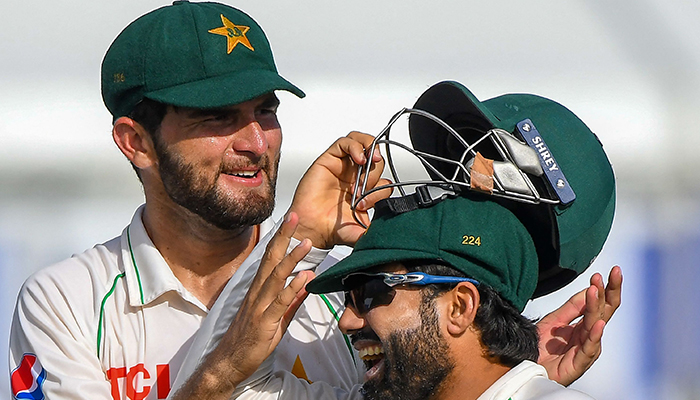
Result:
x=568 y=238
x=478 y=237
x=199 y=55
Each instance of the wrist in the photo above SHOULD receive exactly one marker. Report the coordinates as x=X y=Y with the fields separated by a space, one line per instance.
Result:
x=222 y=375
x=211 y=380
x=317 y=240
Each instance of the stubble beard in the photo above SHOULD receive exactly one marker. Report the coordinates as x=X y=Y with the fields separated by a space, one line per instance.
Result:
x=416 y=362
x=194 y=192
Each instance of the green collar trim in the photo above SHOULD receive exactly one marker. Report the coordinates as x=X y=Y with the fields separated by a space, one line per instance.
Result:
x=337 y=318
x=133 y=260
x=102 y=311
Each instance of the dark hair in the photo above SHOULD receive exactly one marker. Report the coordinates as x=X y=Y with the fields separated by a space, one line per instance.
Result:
x=508 y=336
x=149 y=114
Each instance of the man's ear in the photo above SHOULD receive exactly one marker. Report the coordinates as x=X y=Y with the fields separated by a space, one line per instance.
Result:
x=463 y=301
x=133 y=140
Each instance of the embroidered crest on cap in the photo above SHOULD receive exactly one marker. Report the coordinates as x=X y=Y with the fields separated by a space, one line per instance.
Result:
x=234 y=34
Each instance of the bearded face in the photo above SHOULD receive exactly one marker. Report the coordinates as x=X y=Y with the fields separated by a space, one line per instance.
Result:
x=221 y=163
x=415 y=361
x=201 y=193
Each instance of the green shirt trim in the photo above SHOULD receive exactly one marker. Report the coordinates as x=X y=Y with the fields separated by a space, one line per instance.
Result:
x=102 y=311
x=133 y=260
x=337 y=318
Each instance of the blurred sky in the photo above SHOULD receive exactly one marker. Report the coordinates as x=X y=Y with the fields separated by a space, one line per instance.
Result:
x=629 y=69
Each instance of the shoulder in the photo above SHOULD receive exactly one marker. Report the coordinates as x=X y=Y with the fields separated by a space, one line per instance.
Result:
x=542 y=388
x=529 y=381
x=59 y=305
x=546 y=389
x=74 y=281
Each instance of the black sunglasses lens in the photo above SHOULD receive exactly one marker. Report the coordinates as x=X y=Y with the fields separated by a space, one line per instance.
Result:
x=377 y=293
x=372 y=293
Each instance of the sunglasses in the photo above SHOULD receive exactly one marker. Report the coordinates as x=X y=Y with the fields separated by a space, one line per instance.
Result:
x=370 y=290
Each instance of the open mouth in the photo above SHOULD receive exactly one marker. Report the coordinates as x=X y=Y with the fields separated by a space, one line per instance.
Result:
x=244 y=174
x=373 y=357
x=246 y=177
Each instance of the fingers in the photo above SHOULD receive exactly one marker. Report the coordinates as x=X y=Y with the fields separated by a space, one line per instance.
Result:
x=591 y=347
x=613 y=293
x=368 y=179
x=274 y=284
x=602 y=302
x=354 y=145
x=359 y=153
x=370 y=200
x=274 y=252
x=288 y=300
x=287 y=297
x=357 y=145
x=298 y=299
x=595 y=302
x=259 y=325
x=567 y=312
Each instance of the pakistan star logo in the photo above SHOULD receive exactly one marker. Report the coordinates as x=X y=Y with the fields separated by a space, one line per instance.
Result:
x=234 y=34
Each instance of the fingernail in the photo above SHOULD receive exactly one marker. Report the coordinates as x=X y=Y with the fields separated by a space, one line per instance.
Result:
x=288 y=217
x=300 y=276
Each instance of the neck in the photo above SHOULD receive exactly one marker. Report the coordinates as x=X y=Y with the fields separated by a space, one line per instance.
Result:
x=473 y=374
x=202 y=256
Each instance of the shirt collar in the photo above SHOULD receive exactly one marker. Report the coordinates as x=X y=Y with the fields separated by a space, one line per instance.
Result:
x=148 y=276
x=513 y=380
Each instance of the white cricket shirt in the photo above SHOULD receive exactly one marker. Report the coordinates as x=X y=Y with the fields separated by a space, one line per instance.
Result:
x=529 y=381
x=115 y=323
x=525 y=381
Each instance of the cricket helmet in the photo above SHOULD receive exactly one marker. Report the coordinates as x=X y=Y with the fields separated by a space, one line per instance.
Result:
x=528 y=153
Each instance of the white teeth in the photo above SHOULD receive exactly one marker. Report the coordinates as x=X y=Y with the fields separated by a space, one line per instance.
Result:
x=371 y=352
x=246 y=174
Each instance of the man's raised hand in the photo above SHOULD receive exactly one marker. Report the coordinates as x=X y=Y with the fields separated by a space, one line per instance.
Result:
x=568 y=350
x=323 y=196
x=260 y=323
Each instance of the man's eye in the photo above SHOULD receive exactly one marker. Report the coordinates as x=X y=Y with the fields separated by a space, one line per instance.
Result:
x=218 y=118
x=268 y=111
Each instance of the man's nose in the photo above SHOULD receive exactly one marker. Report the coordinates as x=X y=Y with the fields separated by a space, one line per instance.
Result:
x=251 y=139
x=350 y=321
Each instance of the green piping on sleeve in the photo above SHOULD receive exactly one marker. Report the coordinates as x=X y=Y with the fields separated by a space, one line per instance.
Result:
x=102 y=311
x=133 y=260
x=337 y=318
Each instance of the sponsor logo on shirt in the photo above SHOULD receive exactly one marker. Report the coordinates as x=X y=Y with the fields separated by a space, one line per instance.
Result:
x=26 y=380
x=134 y=381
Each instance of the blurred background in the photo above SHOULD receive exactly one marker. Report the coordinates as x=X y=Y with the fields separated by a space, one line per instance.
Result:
x=630 y=69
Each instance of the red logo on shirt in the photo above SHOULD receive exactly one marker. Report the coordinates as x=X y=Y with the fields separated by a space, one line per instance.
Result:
x=26 y=380
x=135 y=390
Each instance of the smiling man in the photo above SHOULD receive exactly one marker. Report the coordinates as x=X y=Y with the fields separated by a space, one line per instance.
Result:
x=230 y=191
x=432 y=317
x=435 y=318
x=191 y=88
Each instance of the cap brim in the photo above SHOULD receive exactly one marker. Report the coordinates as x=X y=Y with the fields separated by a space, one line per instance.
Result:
x=361 y=260
x=225 y=90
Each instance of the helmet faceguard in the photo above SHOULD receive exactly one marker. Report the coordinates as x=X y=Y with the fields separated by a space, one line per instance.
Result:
x=515 y=174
